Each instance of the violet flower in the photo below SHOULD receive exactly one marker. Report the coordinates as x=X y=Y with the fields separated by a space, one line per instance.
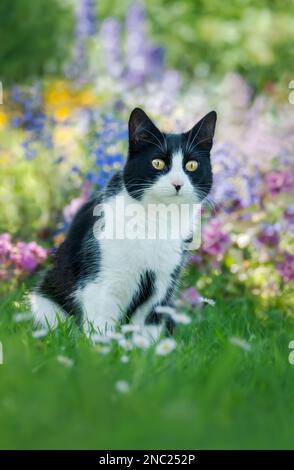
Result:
x=215 y=240
x=289 y=213
x=110 y=37
x=143 y=59
x=86 y=23
x=278 y=181
x=286 y=268
x=268 y=235
x=191 y=296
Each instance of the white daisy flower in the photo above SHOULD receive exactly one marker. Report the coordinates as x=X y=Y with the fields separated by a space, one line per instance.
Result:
x=114 y=335
x=124 y=359
x=40 y=333
x=122 y=386
x=99 y=338
x=165 y=346
x=130 y=328
x=208 y=301
x=103 y=349
x=141 y=341
x=19 y=317
x=241 y=343
x=125 y=344
x=181 y=318
x=65 y=361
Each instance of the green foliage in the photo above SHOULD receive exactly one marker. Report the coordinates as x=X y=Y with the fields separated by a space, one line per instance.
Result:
x=208 y=393
x=34 y=37
x=212 y=37
x=32 y=192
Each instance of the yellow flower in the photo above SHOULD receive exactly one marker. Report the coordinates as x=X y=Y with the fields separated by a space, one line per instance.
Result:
x=63 y=136
x=62 y=113
x=58 y=94
x=85 y=98
x=3 y=119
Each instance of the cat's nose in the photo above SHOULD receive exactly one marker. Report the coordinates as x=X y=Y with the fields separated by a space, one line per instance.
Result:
x=177 y=187
x=177 y=184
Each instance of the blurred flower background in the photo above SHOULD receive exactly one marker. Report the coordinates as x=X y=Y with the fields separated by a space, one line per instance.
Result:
x=63 y=128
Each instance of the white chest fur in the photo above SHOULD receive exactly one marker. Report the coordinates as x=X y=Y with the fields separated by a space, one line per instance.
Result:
x=130 y=245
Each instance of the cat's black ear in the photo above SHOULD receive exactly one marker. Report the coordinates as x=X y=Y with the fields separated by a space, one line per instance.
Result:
x=141 y=129
x=201 y=135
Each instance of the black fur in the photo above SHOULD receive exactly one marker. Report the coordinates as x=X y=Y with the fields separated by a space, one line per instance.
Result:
x=143 y=292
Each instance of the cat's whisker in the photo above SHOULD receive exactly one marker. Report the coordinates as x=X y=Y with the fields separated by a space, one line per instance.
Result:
x=154 y=143
x=200 y=142
x=195 y=136
x=153 y=135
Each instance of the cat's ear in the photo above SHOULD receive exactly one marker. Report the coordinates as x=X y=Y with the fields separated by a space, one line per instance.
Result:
x=142 y=131
x=201 y=135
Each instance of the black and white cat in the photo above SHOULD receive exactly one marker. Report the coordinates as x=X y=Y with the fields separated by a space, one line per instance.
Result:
x=105 y=281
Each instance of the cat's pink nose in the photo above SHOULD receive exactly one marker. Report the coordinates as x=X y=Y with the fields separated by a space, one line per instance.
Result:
x=177 y=184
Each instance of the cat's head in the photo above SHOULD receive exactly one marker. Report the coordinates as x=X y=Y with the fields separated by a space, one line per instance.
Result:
x=165 y=167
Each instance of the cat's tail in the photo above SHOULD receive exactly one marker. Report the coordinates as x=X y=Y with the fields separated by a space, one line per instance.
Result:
x=46 y=313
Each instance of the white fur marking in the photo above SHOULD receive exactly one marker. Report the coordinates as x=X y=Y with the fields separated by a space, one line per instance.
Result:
x=45 y=311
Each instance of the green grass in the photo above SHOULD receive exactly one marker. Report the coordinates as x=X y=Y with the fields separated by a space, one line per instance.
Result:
x=206 y=394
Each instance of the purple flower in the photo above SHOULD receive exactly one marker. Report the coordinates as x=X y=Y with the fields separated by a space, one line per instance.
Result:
x=85 y=28
x=286 y=268
x=191 y=296
x=110 y=36
x=195 y=259
x=143 y=59
x=278 y=181
x=86 y=24
x=268 y=235
x=289 y=213
x=215 y=240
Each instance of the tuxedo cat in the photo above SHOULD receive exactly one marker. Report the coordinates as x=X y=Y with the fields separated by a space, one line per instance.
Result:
x=103 y=281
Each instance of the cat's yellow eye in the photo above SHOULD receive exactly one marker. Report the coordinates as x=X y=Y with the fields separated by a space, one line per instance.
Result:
x=192 y=165
x=158 y=164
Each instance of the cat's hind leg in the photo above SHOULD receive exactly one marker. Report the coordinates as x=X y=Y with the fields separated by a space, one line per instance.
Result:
x=45 y=311
x=101 y=312
x=151 y=325
x=163 y=322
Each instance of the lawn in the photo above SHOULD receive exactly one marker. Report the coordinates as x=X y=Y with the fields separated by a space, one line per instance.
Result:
x=206 y=394
x=65 y=106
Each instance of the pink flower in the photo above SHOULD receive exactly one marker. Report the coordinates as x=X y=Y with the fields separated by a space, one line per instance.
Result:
x=215 y=240
x=27 y=256
x=40 y=252
x=191 y=296
x=278 y=181
x=72 y=208
x=286 y=268
x=23 y=258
